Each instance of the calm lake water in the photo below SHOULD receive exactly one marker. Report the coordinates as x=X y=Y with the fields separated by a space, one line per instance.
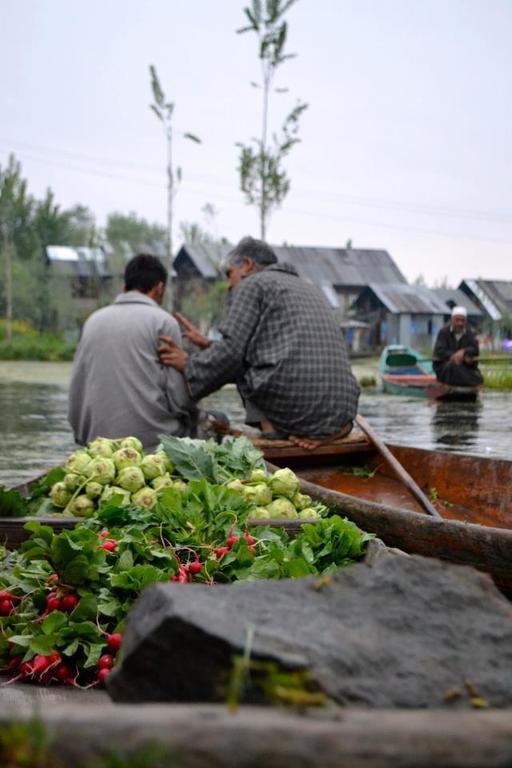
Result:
x=34 y=433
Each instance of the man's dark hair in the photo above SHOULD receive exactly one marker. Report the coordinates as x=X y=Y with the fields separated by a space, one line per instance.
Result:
x=259 y=252
x=143 y=272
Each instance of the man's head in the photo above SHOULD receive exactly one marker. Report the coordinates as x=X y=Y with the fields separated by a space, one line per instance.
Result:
x=247 y=257
x=458 y=321
x=146 y=274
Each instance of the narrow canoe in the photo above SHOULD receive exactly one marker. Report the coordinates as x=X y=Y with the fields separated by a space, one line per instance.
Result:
x=403 y=372
x=472 y=494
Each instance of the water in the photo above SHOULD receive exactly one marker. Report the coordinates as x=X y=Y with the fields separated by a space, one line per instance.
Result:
x=34 y=433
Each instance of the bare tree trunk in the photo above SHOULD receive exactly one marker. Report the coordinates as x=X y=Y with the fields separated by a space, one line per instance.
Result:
x=170 y=199
x=263 y=204
x=8 y=291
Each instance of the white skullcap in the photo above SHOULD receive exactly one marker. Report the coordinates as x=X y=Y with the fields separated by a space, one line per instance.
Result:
x=459 y=311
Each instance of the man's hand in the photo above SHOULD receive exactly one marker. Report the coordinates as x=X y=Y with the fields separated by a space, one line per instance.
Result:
x=170 y=354
x=191 y=333
x=458 y=357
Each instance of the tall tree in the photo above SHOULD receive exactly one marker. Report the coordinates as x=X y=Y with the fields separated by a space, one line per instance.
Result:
x=263 y=179
x=16 y=232
x=164 y=111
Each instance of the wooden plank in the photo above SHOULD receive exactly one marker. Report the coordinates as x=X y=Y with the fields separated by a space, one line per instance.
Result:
x=194 y=736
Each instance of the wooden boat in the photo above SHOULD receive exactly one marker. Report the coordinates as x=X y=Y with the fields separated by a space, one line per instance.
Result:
x=472 y=494
x=404 y=372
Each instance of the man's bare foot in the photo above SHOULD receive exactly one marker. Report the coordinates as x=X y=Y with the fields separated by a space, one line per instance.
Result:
x=304 y=442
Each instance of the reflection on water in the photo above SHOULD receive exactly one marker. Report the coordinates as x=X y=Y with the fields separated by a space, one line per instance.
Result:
x=456 y=424
x=34 y=433
x=482 y=428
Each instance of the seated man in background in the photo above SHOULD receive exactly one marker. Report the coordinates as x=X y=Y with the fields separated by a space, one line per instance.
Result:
x=456 y=352
x=119 y=387
x=281 y=345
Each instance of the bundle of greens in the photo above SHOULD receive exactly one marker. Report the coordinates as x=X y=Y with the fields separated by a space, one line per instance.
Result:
x=107 y=469
x=64 y=597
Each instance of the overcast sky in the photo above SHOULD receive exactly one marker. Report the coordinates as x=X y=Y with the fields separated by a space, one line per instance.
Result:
x=406 y=144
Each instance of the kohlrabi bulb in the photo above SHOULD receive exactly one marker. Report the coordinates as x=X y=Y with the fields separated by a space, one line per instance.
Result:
x=111 y=491
x=259 y=513
x=169 y=466
x=180 y=485
x=236 y=485
x=258 y=476
x=282 y=508
x=284 y=482
x=102 y=470
x=130 y=478
x=59 y=494
x=146 y=497
x=72 y=481
x=102 y=446
x=301 y=501
x=258 y=494
x=82 y=506
x=126 y=457
x=93 y=490
x=132 y=442
x=152 y=466
x=308 y=513
x=163 y=481
x=78 y=462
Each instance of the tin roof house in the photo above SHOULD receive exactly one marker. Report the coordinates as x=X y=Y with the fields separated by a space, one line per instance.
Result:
x=401 y=314
x=340 y=273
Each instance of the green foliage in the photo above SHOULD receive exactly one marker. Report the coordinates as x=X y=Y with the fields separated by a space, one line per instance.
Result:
x=44 y=346
x=263 y=179
x=196 y=459
x=205 y=523
x=138 y=233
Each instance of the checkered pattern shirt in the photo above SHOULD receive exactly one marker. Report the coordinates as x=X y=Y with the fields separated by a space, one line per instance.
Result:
x=281 y=345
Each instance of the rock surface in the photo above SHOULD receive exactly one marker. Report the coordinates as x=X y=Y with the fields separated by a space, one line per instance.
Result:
x=394 y=631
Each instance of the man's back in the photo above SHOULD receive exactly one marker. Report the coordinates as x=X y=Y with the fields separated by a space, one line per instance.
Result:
x=118 y=386
x=293 y=362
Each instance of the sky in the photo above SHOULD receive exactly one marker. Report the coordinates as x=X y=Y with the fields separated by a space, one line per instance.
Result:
x=406 y=144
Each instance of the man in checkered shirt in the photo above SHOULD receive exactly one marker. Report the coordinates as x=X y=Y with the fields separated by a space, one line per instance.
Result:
x=281 y=346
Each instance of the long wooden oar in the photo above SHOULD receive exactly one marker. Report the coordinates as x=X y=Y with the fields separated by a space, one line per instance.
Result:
x=397 y=468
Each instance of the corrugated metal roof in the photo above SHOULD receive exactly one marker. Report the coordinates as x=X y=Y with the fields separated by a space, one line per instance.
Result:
x=500 y=293
x=79 y=262
x=323 y=266
x=408 y=299
x=208 y=259
x=341 y=266
x=455 y=297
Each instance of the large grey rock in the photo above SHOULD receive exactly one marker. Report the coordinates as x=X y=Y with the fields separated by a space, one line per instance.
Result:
x=396 y=631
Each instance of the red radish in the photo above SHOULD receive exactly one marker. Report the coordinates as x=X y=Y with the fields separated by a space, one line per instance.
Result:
x=53 y=577
x=4 y=595
x=12 y=664
x=53 y=603
x=102 y=675
x=39 y=665
x=231 y=539
x=69 y=602
x=105 y=661
x=221 y=551
x=25 y=670
x=109 y=545
x=181 y=577
x=62 y=672
x=195 y=567
x=69 y=681
x=114 y=641
x=249 y=539
x=6 y=608
x=103 y=534
x=54 y=658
